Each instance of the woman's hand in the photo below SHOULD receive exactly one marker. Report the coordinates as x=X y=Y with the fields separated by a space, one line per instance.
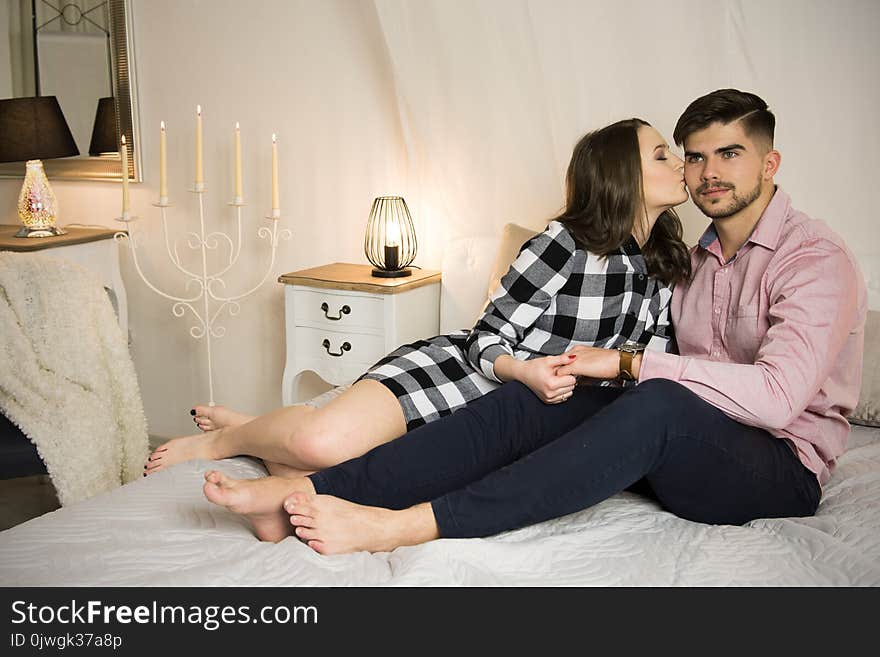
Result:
x=541 y=375
x=593 y=362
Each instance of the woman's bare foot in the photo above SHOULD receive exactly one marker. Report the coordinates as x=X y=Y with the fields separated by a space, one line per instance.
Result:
x=259 y=500
x=330 y=525
x=211 y=418
x=186 y=448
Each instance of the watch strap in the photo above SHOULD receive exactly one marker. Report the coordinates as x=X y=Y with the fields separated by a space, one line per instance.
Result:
x=625 y=366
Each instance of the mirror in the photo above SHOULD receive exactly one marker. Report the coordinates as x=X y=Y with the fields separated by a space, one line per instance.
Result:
x=84 y=53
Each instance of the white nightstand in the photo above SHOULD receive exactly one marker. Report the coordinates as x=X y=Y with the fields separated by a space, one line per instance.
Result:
x=340 y=320
x=93 y=248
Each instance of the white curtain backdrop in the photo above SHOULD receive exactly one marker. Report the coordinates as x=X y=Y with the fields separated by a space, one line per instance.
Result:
x=493 y=95
x=469 y=109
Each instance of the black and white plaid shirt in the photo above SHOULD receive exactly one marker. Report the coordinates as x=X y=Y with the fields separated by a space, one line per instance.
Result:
x=556 y=296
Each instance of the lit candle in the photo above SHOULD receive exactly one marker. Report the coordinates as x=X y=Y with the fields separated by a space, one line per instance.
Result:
x=238 y=194
x=275 y=204
x=200 y=177
x=163 y=167
x=124 y=153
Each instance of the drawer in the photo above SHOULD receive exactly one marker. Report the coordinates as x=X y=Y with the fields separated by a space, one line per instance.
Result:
x=363 y=349
x=337 y=374
x=320 y=308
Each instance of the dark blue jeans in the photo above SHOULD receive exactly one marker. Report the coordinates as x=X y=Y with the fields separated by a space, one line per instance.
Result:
x=508 y=460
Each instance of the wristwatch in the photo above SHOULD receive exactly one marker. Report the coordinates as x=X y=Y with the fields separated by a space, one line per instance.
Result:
x=628 y=351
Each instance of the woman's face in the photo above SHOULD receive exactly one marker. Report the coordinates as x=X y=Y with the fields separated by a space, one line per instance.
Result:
x=662 y=174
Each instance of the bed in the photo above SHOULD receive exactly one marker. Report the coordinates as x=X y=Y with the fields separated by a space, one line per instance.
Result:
x=160 y=531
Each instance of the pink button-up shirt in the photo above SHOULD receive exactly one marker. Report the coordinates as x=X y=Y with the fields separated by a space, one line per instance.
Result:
x=774 y=336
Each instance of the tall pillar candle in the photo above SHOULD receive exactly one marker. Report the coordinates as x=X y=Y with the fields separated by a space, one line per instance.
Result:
x=163 y=165
x=238 y=194
x=200 y=176
x=275 y=204
x=123 y=151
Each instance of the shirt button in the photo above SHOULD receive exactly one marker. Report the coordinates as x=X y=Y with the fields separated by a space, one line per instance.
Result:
x=718 y=311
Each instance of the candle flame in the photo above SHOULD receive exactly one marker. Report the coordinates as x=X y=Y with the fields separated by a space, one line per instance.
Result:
x=273 y=137
x=236 y=125
x=161 y=125
x=198 y=109
x=123 y=140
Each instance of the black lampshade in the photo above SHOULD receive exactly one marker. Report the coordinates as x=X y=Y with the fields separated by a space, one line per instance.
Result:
x=34 y=129
x=104 y=132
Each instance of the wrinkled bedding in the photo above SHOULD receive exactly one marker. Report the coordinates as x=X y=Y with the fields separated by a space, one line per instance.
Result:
x=160 y=531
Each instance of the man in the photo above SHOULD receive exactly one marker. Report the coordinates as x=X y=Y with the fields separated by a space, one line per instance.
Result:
x=746 y=422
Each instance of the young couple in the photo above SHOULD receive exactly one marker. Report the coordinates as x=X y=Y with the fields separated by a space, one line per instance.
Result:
x=745 y=421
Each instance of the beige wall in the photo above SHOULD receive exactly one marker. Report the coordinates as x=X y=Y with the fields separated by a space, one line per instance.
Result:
x=5 y=55
x=312 y=72
x=327 y=76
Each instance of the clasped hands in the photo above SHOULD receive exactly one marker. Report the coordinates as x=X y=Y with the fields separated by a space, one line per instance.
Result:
x=553 y=378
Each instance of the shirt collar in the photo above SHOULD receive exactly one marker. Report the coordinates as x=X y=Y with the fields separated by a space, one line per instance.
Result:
x=769 y=226
x=630 y=247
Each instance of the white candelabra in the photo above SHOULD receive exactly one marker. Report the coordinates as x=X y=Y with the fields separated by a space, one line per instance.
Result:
x=209 y=287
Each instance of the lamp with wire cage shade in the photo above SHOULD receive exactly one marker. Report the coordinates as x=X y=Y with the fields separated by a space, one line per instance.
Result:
x=390 y=241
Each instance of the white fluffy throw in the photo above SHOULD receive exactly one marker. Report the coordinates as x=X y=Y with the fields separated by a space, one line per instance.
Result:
x=66 y=377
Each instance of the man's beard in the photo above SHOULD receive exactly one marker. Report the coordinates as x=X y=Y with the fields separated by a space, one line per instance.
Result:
x=736 y=203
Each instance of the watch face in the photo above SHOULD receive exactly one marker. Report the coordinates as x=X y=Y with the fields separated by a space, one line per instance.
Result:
x=632 y=346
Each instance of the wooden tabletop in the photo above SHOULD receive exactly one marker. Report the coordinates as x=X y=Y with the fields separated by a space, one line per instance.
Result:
x=74 y=235
x=352 y=277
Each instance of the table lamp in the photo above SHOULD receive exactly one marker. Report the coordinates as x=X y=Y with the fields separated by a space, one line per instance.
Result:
x=33 y=129
x=390 y=241
x=104 y=132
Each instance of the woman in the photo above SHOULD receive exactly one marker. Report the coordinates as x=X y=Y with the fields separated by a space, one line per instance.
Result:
x=622 y=183
x=599 y=275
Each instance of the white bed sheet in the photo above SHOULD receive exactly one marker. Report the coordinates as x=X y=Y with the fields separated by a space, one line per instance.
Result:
x=160 y=531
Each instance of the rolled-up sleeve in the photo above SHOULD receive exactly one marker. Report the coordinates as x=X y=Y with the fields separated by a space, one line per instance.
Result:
x=813 y=298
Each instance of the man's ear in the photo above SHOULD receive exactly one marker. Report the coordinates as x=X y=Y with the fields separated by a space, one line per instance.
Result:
x=772 y=160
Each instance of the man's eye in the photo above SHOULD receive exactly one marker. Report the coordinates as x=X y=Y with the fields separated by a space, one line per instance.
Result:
x=692 y=159
x=729 y=155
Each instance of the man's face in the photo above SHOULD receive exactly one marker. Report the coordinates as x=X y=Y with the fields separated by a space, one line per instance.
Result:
x=724 y=169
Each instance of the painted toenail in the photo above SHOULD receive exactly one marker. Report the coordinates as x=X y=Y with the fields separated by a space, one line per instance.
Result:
x=192 y=411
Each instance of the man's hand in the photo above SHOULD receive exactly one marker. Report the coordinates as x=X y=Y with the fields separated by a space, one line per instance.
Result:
x=541 y=375
x=596 y=363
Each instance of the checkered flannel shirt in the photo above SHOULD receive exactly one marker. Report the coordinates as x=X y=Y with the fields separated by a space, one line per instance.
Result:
x=556 y=296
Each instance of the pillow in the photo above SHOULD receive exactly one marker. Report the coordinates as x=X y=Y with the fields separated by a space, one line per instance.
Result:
x=513 y=236
x=868 y=410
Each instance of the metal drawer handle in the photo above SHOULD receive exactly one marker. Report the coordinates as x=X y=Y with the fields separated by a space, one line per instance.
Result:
x=345 y=347
x=342 y=311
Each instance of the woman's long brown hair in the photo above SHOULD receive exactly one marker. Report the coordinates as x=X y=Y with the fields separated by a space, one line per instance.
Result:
x=605 y=194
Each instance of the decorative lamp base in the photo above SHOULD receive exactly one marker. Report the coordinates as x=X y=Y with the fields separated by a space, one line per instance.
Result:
x=40 y=231
x=391 y=273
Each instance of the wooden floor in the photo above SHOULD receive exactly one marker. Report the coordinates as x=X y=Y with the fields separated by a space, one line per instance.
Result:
x=24 y=498
x=29 y=497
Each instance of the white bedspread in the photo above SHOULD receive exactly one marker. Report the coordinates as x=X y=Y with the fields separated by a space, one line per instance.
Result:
x=160 y=531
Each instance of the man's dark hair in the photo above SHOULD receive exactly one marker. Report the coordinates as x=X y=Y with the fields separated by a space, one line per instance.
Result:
x=726 y=106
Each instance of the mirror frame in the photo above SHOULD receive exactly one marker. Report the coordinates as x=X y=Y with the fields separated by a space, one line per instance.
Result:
x=125 y=95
